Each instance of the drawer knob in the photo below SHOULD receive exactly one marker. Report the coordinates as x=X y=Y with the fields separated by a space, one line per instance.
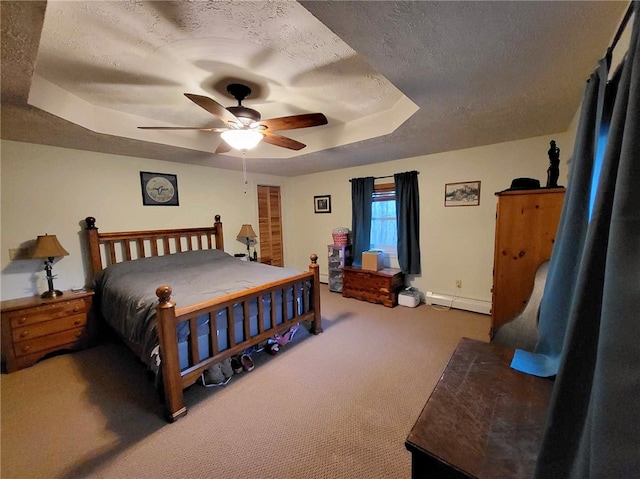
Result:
x=25 y=348
x=77 y=321
x=24 y=334
x=76 y=309
x=78 y=334
x=22 y=320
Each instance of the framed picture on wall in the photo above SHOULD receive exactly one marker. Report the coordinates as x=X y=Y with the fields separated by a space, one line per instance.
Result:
x=159 y=189
x=466 y=193
x=322 y=204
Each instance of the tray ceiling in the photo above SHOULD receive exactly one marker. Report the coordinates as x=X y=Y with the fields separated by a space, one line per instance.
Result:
x=395 y=79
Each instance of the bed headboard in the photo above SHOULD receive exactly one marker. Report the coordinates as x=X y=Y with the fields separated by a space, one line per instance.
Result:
x=111 y=248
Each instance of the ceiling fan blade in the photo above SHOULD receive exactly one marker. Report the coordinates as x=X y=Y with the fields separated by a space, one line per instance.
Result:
x=283 y=141
x=216 y=130
x=223 y=147
x=213 y=107
x=295 y=121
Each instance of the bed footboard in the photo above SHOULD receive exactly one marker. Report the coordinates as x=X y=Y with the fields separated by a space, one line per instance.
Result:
x=304 y=305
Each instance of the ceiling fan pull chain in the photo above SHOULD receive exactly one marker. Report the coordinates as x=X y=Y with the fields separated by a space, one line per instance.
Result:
x=244 y=170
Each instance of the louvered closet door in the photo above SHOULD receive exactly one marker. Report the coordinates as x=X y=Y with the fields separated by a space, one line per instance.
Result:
x=270 y=224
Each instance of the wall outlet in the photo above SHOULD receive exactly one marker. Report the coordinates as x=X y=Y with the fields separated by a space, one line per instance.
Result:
x=459 y=283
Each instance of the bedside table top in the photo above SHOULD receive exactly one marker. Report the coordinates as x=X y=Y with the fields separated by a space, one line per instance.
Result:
x=36 y=300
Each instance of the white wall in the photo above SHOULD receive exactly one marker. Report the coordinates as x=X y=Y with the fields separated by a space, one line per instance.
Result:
x=456 y=242
x=51 y=190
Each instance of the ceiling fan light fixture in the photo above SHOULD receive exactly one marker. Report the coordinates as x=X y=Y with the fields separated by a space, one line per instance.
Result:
x=242 y=139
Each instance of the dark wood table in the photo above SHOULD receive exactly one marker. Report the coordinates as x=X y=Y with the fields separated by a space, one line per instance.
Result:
x=483 y=419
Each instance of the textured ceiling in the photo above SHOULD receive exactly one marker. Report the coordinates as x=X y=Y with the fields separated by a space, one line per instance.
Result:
x=395 y=79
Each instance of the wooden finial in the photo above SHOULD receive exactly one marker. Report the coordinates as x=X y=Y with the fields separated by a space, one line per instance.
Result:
x=91 y=222
x=314 y=258
x=217 y=218
x=164 y=294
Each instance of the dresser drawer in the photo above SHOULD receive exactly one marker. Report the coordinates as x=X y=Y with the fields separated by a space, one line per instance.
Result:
x=46 y=312
x=366 y=282
x=44 y=328
x=70 y=337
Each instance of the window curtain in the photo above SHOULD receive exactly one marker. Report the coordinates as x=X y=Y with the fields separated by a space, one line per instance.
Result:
x=592 y=428
x=564 y=267
x=408 y=219
x=361 y=199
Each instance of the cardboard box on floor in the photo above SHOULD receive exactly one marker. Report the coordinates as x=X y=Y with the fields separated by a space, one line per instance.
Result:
x=372 y=260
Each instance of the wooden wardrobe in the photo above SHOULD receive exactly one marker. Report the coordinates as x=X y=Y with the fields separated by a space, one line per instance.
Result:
x=526 y=225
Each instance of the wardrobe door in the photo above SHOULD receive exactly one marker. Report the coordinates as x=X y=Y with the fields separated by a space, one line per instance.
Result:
x=270 y=224
x=526 y=224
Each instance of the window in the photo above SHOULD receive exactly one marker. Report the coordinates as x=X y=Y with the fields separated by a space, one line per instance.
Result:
x=384 y=226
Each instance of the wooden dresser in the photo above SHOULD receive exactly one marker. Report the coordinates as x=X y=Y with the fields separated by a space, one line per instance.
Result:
x=33 y=327
x=526 y=224
x=373 y=286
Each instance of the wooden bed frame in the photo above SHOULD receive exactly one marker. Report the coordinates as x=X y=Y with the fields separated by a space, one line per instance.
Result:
x=125 y=246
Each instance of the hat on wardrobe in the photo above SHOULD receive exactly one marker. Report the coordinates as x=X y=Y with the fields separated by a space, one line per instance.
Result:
x=524 y=184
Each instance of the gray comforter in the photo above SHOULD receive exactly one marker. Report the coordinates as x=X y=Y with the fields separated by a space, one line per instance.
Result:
x=126 y=291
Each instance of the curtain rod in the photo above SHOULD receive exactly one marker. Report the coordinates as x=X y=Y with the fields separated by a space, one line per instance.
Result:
x=621 y=28
x=381 y=177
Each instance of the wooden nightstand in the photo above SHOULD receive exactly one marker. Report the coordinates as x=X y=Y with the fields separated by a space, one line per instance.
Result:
x=33 y=327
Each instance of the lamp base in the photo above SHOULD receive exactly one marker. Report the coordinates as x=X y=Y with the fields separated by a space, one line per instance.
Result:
x=54 y=293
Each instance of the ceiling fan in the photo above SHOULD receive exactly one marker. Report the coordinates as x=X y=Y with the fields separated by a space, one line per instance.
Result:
x=245 y=129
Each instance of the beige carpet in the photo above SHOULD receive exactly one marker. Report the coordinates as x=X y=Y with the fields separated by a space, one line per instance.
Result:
x=337 y=405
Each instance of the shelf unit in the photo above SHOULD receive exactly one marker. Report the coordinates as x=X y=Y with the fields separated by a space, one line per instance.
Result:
x=339 y=257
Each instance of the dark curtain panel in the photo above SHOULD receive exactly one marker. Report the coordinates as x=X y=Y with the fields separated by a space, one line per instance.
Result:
x=593 y=428
x=565 y=264
x=408 y=218
x=361 y=198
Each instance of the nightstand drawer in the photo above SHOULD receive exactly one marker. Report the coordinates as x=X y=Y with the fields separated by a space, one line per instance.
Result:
x=70 y=337
x=46 y=312
x=48 y=327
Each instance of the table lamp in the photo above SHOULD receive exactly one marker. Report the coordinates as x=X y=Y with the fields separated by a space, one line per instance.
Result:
x=48 y=247
x=248 y=234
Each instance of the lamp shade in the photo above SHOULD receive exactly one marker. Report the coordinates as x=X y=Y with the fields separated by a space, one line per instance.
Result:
x=247 y=232
x=242 y=139
x=48 y=246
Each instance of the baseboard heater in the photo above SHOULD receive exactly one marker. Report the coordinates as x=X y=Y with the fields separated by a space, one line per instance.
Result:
x=466 y=304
